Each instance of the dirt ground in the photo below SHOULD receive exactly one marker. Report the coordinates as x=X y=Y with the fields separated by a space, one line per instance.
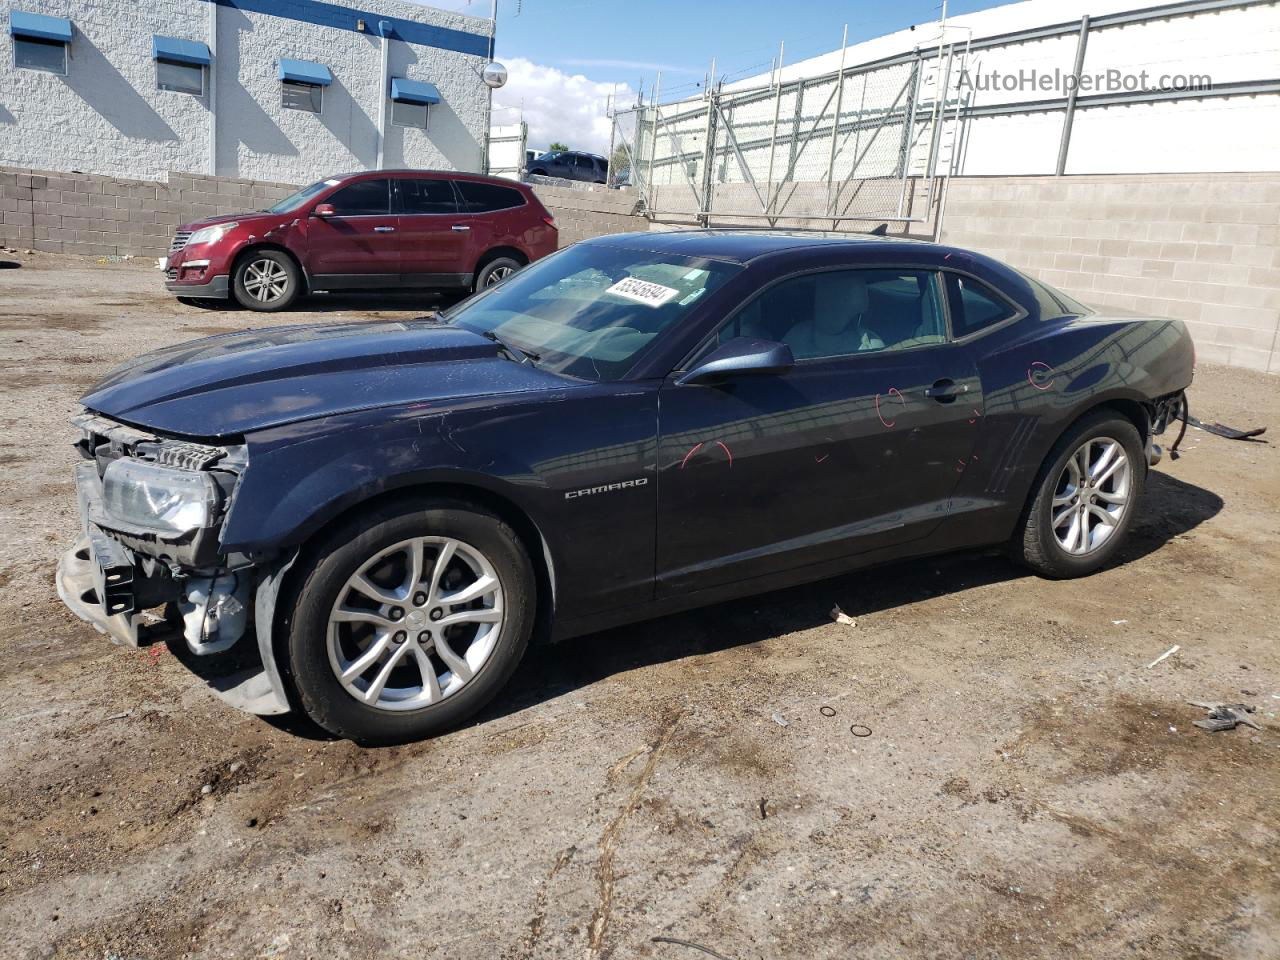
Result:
x=1030 y=788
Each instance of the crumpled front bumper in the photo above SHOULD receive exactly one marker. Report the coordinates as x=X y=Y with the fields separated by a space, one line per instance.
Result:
x=105 y=584
x=82 y=584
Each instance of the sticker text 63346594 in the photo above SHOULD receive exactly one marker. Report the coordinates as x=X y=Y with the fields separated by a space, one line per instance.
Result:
x=642 y=291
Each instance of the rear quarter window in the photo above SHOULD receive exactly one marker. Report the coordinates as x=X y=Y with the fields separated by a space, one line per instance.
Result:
x=487 y=197
x=974 y=306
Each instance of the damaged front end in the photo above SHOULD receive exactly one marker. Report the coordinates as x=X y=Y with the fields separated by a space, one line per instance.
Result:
x=149 y=566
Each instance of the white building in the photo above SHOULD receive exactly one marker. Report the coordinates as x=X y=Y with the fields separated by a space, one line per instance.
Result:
x=282 y=90
x=1172 y=86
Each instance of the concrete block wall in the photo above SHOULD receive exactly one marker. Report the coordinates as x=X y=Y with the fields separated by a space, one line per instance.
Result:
x=584 y=213
x=100 y=216
x=1204 y=248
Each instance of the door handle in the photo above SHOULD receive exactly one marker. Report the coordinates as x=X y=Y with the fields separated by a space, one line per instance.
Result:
x=384 y=229
x=460 y=227
x=946 y=391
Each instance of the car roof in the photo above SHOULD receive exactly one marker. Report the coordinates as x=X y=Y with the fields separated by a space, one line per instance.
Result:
x=743 y=246
x=448 y=174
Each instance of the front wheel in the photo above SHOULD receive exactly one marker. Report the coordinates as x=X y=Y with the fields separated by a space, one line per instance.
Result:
x=409 y=620
x=1085 y=498
x=495 y=271
x=266 y=280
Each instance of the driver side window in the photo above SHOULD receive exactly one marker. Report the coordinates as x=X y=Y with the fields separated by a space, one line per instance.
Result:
x=841 y=312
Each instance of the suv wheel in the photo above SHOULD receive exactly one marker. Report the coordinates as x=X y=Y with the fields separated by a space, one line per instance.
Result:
x=409 y=620
x=495 y=271
x=1085 y=498
x=266 y=280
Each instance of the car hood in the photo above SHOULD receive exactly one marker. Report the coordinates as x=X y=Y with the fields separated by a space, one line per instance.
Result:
x=247 y=218
x=236 y=383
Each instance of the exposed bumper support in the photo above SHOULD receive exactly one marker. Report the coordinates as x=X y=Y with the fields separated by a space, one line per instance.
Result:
x=247 y=677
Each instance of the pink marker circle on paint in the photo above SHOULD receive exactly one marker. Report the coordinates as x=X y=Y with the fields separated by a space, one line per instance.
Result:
x=893 y=392
x=1039 y=369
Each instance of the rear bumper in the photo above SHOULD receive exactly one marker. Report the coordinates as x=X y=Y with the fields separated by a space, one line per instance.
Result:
x=216 y=288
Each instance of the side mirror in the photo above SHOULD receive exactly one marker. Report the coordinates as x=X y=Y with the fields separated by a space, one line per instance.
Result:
x=324 y=210
x=738 y=356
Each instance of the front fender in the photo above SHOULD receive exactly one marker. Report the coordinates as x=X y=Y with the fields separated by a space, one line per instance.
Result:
x=303 y=475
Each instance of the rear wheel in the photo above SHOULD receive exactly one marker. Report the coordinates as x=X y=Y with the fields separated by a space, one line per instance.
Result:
x=266 y=280
x=495 y=271
x=1085 y=498
x=410 y=620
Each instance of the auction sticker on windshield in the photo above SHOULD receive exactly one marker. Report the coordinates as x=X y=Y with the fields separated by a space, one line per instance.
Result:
x=643 y=291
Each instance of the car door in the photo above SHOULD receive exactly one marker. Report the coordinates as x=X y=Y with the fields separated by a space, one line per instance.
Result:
x=358 y=245
x=584 y=168
x=485 y=218
x=859 y=446
x=434 y=242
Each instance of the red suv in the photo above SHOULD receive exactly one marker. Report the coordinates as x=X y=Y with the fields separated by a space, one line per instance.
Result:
x=385 y=229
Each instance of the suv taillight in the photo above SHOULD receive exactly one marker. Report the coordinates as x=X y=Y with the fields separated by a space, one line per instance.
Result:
x=549 y=220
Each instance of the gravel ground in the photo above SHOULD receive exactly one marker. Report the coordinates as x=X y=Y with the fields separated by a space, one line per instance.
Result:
x=1030 y=787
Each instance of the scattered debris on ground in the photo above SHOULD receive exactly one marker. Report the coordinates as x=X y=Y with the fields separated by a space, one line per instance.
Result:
x=1225 y=716
x=839 y=616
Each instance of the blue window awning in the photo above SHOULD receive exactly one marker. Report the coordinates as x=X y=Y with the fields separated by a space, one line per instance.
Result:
x=39 y=26
x=413 y=91
x=303 y=71
x=175 y=50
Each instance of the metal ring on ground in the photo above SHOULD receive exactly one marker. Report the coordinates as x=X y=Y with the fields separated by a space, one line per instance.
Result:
x=860 y=730
x=827 y=711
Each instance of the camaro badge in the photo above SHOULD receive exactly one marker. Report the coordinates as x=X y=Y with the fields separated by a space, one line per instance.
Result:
x=606 y=488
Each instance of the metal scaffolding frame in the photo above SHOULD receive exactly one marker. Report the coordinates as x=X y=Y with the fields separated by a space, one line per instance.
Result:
x=719 y=138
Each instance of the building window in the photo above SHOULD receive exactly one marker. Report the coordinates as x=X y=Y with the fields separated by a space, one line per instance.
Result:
x=180 y=77
x=39 y=41
x=409 y=114
x=411 y=100
x=180 y=64
x=47 y=55
x=307 y=97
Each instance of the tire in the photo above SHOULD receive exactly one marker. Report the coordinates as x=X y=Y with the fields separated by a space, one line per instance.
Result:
x=1069 y=549
x=319 y=647
x=494 y=271
x=538 y=173
x=266 y=280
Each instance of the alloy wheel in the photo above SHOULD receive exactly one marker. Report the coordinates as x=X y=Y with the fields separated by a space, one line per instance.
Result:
x=498 y=275
x=415 y=623
x=1091 y=496
x=266 y=280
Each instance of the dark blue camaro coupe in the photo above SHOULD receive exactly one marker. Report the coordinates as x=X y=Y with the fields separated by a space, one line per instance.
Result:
x=368 y=522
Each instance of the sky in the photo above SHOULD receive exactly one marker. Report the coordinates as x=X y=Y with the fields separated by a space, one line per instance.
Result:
x=568 y=57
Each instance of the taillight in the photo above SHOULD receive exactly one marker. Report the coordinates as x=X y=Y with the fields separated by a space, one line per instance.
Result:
x=549 y=220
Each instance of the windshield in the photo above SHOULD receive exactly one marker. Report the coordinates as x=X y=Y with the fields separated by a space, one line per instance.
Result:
x=295 y=200
x=588 y=311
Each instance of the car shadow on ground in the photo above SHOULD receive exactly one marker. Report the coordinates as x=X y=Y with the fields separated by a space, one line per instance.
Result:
x=426 y=301
x=1170 y=508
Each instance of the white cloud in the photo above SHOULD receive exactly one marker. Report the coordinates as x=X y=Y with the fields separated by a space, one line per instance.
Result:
x=647 y=66
x=559 y=106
